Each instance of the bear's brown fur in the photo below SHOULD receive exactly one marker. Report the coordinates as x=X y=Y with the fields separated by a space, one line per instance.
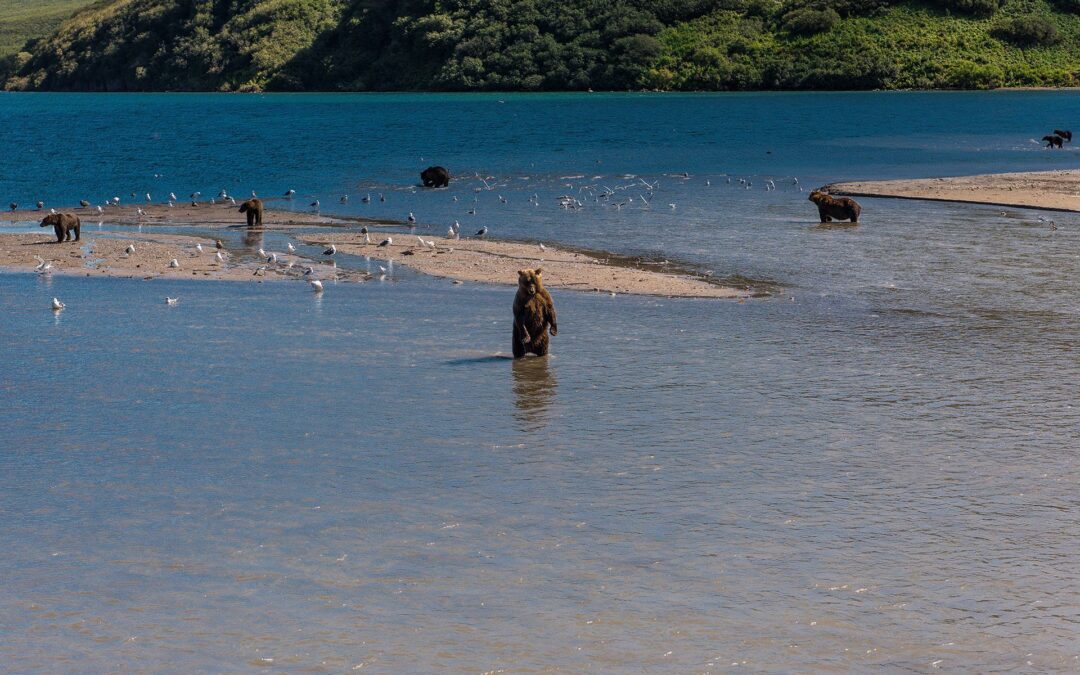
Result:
x=534 y=313
x=1053 y=141
x=254 y=210
x=830 y=207
x=435 y=176
x=63 y=224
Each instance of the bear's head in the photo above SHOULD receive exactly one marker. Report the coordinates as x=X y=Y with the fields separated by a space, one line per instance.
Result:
x=529 y=281
x=51 y=219
x=818 y=197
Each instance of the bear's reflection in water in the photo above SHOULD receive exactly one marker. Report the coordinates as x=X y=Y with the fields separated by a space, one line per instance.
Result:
x=534 y=391
x=253 y=237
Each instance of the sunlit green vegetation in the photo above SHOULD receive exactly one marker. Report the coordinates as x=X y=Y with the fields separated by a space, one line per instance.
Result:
x=248 y=45
x=22 y=20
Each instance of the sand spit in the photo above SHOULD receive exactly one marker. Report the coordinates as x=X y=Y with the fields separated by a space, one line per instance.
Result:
x=494 y=261
x=1049 y=190
x=97 y=255
x=181 y=215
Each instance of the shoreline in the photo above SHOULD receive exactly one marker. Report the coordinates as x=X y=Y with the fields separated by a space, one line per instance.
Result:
x=102 y=252
x=1057 y=190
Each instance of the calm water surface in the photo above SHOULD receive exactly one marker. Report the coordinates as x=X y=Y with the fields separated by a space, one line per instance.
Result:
x=875 y=468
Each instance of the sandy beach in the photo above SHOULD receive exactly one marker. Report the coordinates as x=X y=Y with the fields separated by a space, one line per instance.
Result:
x=1048 y=190
x=102 y=252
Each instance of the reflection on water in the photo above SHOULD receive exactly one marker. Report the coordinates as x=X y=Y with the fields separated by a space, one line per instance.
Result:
x=534 y=392
x=253 y=237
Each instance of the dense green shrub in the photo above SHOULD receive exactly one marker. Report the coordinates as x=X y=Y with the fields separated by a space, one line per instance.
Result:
x=809 y=21
x=971 y=7
x=1027 y=31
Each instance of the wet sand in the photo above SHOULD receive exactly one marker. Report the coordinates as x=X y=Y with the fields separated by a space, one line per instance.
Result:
x=98 y=255
x=487 y=261
x=1048 y=190
x=497 y=262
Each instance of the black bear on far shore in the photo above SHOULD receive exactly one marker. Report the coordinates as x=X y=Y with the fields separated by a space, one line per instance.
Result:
x=534 y=313
x=63 y=224
x=435 y=177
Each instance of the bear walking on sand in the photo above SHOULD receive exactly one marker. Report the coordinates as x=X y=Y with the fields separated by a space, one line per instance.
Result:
x=830 y=207
x=534 y=313
x=63 y=224
x=254 y=210
x=435 y=177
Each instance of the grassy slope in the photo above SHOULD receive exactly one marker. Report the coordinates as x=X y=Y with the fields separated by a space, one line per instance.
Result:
x=22 y=20
x=917 y=46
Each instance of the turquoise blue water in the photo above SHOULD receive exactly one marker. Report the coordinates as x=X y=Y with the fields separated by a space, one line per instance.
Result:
x=874 y=468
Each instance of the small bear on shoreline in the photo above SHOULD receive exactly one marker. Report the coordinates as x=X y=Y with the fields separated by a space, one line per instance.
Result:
x=254 y=210
x=534 y=313
x=63 y=224
x=830 y=207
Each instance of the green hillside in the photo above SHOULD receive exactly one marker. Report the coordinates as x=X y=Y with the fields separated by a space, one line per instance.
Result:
x=22 y=20
x=251 y=45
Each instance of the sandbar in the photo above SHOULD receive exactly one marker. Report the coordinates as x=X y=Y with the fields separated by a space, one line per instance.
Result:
x=1048 y=190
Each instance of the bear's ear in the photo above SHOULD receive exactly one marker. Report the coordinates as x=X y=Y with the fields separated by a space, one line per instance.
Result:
x=537 y=271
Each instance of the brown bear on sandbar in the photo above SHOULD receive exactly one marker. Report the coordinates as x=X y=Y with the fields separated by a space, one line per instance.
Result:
x=534 y=313
x=1053 y=141
x=1065 y=134
x=63 y=224
x=830 y=207
x=254 y=210
x=435 y=177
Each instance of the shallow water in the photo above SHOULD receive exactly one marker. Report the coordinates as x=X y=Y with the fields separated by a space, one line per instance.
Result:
x=876 y=467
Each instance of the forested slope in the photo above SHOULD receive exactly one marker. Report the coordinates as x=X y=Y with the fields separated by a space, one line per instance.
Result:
x=250 y=45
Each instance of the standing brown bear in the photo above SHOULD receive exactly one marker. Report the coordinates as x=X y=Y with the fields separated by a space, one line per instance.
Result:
x=830 y=207
x=534 y=312
x=63 y=224
x=254 y=210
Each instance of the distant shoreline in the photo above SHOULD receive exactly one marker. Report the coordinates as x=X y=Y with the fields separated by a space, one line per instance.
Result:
x=1046 y=190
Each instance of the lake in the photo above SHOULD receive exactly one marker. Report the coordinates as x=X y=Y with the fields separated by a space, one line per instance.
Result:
x=874 y=468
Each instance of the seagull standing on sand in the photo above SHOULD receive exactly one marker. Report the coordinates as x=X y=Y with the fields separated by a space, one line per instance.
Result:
x=219 y=257
x=57 y=305
x=198 y=247
x=100 y=210
x=481 y=232
x=130 y=249
x=174 y=263
x=262 y=253
x=386 y=242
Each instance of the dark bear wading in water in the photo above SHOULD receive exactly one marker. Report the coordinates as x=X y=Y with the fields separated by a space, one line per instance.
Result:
x=435 y=176
x=1052 y=141
x=830 y=207
x=63 y=225
x=534 y=313
x=254 y=210
x=1065 y=134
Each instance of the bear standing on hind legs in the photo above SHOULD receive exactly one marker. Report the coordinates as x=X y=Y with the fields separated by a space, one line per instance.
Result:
x=534 y=313
x=254 y=210
x=63 y=225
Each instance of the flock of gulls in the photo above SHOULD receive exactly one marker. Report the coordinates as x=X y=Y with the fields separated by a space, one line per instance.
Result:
x=577 y=193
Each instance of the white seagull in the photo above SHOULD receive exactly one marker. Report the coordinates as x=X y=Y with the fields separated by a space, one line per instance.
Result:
x=174 y=263
x=198 y=247
x=330 y=251
x=411 y=218
x=481 y=232
x=219 y=257
x=171 y=301
x=316 y=285
x=130 y=249
x=387 y=241
x=57 y=305
x=291 y=247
